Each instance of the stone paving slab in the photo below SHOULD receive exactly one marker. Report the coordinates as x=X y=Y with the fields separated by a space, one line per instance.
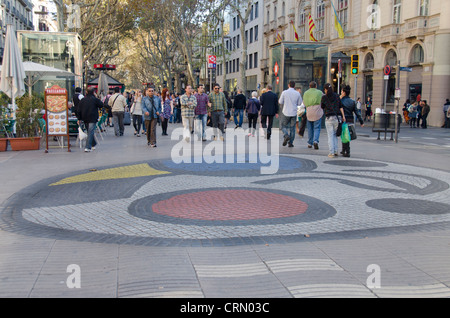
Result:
x=105 y=225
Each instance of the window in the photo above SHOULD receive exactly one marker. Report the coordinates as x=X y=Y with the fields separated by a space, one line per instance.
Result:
x=255 y=58
x=417 y=54
x=238 y=41
x=283 y=9
x=423 y=7
x=256 y=33
x=342 y=12
x=302 y=24
x=391 y=58
x=251 y=35
x=275 y=16
x=256 y=9
x=234 y=23
x=375 y=17
x=237 y=65
x=250 y=61
x=234 y=66
x=320 y=20
x=268 y=15
x=397 y=11
x=251 y=13
x=369 y=63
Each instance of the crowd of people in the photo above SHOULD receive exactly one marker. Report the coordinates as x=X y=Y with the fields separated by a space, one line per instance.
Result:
x=196 y=110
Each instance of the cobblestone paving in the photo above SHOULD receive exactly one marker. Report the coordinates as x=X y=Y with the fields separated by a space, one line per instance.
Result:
x=159 y=203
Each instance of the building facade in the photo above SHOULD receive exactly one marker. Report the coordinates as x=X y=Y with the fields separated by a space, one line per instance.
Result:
x=19 y=13
x=412 y=34
x=44 y=16
x=228 y=72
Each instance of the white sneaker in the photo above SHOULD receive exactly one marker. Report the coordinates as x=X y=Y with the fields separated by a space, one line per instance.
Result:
x=87 y=150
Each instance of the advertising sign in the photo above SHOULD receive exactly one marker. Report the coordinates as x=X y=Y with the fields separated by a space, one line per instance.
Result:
x=57 y=113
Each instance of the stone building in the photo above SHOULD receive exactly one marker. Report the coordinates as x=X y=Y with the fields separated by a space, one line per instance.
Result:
x=412 y=34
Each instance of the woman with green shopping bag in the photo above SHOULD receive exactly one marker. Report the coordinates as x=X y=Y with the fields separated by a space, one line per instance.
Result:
x=349 y=106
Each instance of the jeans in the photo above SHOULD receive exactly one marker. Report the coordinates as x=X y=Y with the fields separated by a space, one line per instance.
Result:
x=424 y=121
x=314 y=131
x=218 y=121
x=200 y=125
x=288 y=125
x=239 y=112
x=137 y=122
x=188 y=126
x=90 y=127
x=118 y=123
x=331 y=124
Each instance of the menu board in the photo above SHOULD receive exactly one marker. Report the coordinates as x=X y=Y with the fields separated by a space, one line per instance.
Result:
x=57 y=115
x=56 y=110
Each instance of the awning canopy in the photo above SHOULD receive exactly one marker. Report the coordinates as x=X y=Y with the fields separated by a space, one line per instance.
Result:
x=336 y=56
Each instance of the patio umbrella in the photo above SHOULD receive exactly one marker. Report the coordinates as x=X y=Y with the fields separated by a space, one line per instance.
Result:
x=103 y=87
x=36 y=71
x=13 y=73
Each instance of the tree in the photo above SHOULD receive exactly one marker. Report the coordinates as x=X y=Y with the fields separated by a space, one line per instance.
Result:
x=102 y=25
x=242 y=8
x=182 y=20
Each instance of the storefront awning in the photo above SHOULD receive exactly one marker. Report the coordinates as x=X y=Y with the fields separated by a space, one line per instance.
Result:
x=335 y=57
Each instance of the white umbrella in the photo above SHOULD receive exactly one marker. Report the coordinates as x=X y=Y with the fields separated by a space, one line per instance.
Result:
x=35 y=72
x=103 y=86
x=13 y=73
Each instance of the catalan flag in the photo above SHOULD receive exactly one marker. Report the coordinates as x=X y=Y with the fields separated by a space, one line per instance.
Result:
x=337 y=23
x=278 y=37
x=295 y=31
x=312 y=26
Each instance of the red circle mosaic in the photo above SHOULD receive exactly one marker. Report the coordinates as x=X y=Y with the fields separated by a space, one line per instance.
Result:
x=227 y=205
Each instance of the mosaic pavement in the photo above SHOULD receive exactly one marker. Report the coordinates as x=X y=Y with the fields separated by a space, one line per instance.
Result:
x=160 y=202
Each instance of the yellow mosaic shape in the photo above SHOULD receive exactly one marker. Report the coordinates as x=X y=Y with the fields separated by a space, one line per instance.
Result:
x=140 y=170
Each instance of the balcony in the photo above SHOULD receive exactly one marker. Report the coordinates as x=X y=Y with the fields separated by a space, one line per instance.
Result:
x=368 y=39
x=415 y=28
x=390 y=34
x=273 y=25
x=281 y=21
x=264 y=64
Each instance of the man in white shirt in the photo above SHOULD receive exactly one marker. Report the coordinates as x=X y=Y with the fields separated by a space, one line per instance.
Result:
x=118 y=102
x=290 y=99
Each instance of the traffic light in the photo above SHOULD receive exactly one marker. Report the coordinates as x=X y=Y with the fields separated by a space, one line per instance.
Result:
x=355 y=64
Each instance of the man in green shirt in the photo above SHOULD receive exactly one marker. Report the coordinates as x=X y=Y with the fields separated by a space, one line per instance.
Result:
x=314 y=113
x=218 y=110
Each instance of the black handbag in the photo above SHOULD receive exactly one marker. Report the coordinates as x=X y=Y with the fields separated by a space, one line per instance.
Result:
x=339 y=128
x=352 y=130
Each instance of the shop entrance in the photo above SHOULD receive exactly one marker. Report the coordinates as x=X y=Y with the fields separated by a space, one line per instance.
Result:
x=298 y=62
